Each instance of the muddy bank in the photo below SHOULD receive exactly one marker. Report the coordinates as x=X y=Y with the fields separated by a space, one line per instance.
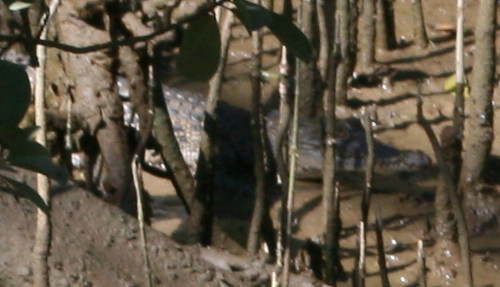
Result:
x=96 y=244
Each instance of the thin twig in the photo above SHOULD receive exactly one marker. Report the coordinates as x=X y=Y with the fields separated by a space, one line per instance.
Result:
x=419 y=35
x=281 y=147
x=291 y=182
x=257 y=143
x=451 y=189
x=330 y=187
x=421 y=264
x=381 y=250
x=136 y=174
x=459 y=108
x=41 y=248
x=366 y=120
x=359 y=268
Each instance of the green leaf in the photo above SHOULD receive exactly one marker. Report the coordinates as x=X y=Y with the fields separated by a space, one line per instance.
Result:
x=15 y=5
x=33 y=156
x=291 y=37
x=15 y=93
x=23 y=190
x=200 y=49
x=251 y=15
x=4 y=165
x=19 y=5
x=12 y=136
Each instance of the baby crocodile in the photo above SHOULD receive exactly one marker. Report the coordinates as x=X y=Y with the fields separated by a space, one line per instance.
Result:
x=234 y=139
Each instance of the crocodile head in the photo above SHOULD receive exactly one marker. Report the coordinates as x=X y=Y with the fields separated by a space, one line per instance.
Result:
x=351 y=149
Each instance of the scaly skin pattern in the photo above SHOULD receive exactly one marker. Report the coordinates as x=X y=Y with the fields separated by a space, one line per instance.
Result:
x=234 y=140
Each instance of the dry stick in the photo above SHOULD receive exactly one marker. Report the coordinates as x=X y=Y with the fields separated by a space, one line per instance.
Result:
x=451 y=143
x=459 y=113
x=41 y=248
x=381 y=34
x=478 y=142
x=367 y=35
x=367 y=116
x=259 y=169
x=291 y=183
x=289 y=78
x=359 y=267
x=343 y=35
x=287 y=70
x=309 y=99
x=451 y=189
x=136 y=174
x=419 y=34
x=337 y=228
x=381 y=250
x=362 y=254
x=330 y=252
x=453 y=146
x=274 y=280
x=280 y=147
x=68 y=147
x=386 y=38
x=421 y=264
x=366 y=120
x=324 y=41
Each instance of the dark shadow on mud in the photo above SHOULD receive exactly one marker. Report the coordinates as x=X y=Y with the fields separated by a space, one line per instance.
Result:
x=358 y=103
x=493 y=170
x=436 y=53
x=165 y=207
x=396 y=75
x=307 y=207
x=395 y=182
x=395 y=268
x=406 y=124
x=395 y=222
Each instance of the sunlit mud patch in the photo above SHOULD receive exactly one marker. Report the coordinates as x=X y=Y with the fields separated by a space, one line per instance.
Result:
x=405 y=203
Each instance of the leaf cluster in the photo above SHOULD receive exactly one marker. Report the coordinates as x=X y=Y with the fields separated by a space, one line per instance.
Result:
x=200 y=48
x=17 y=145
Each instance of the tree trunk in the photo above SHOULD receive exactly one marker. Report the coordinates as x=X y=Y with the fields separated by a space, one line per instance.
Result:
x=479 y=136
x=445 y=222
x=367 y=35
x=331 y=215
x=346 y=64
x=386 y=34
x=419 y=35
x=309 y=72
x=96 y=101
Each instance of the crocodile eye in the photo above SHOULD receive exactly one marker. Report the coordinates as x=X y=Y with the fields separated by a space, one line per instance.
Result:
x=342 y=133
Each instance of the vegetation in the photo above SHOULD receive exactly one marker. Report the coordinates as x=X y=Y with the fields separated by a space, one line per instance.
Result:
x=18 y=147
x=115 y=40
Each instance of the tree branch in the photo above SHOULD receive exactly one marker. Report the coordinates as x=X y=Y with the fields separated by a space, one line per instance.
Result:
x=203 y=9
